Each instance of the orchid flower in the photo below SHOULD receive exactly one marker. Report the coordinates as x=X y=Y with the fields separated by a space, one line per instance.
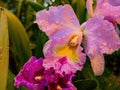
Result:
x=100 y=37
x=109 y=8
x=35 y=77
x=65 y=36
x=32 y=75
x=63 y=29
x=108 y=11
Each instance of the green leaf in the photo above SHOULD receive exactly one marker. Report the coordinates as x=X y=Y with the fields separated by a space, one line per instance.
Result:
x=35 y=6
x=4 y=49
x=19 y=41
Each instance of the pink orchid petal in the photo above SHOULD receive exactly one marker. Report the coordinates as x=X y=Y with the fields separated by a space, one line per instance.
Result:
x=62 y=65
x=61 y=39
x=97 y=63
x=89 y=5
x=57 y=18
x=100 y=37
x=109 y=8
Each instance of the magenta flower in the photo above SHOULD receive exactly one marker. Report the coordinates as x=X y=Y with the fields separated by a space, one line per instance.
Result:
x=63 y=29
x=35 y=77
x=31 y=75
x=59 y=81
x=109 y=8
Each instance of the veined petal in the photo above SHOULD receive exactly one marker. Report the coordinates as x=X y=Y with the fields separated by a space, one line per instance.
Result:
x=109 y=8
x=100 y=37
x=57 y=18
x=97 y=63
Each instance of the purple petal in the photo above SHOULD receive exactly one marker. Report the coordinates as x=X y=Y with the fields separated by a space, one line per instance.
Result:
x=61 y=82
x=56 y=76
x=61 y=65
x=57 y=18
x=61 y=39
x=100 y=37
x=109 y=8
x=53 y=77
x=26 y=75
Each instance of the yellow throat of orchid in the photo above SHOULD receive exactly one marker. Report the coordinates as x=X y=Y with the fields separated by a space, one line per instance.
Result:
x=69 y=50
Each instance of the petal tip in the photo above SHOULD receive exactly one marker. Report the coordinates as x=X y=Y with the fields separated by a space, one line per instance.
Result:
x=97 y=64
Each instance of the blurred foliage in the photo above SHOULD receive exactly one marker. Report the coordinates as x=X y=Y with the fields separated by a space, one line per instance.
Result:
x=26 y=39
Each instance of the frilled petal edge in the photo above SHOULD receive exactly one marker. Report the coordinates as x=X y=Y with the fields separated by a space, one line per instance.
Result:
x=57 y=18
x=27 y=73
x=100 y=37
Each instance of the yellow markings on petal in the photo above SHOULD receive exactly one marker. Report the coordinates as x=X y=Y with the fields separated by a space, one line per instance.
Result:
x=69 y=50
x=74 y=40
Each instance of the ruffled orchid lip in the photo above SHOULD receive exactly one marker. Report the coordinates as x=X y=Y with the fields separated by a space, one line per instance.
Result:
x=32 y=74
x=61 y=83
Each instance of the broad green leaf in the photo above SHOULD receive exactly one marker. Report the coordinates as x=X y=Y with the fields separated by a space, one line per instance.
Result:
x=4 y=49
x=19 y=41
